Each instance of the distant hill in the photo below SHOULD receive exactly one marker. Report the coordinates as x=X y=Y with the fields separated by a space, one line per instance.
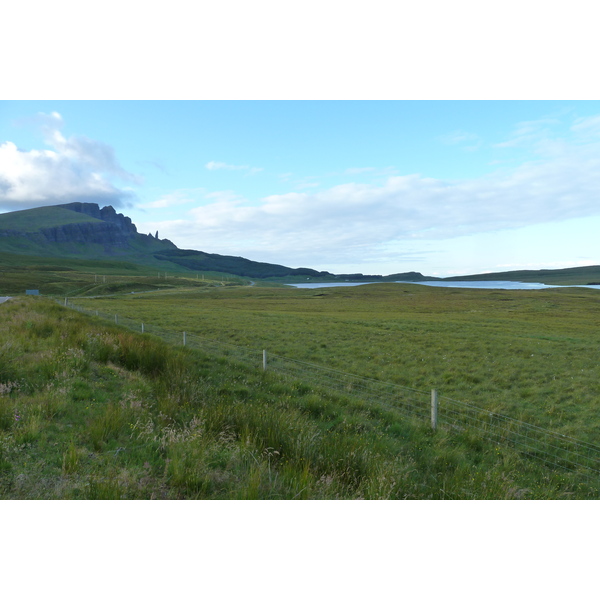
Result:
x=570 y=276
x=76 y=230
x=85 y=231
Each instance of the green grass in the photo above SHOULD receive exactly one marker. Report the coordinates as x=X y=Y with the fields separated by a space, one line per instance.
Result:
x=53 y=277
x=29 y=241
x=93 y=411
x=29 y=221
x=531 y=355
x=571 y=276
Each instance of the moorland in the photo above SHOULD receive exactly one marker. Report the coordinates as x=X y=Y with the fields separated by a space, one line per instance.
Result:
x=91 y=409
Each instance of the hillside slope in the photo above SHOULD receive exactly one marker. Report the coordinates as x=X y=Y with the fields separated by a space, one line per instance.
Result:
x=589 y=275
x=76 y=230
x=86 y=231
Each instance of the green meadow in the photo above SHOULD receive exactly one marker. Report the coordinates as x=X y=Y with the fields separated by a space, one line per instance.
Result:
x=89 y=409
x=53 y=276
x=530 y=355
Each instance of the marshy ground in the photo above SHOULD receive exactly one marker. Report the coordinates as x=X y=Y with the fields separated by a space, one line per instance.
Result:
x=91 y=410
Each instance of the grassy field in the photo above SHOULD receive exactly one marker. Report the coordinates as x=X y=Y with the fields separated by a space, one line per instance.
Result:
x=527 y=354
x=531 y=355
x=75 y=277
x=43 y=217
x=89 y=410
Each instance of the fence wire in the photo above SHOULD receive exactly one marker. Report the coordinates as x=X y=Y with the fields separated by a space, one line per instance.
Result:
x=553 y=449
x=410 y=403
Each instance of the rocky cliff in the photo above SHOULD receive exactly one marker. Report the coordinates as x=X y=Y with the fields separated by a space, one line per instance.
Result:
x=103 y=226
x=110 y=229
x=107 y=214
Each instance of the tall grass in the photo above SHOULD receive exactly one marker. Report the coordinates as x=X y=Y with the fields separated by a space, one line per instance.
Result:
x=530 y=355
x=89 y=410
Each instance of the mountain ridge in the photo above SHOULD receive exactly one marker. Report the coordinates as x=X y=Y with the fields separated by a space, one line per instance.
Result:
x=82 y=230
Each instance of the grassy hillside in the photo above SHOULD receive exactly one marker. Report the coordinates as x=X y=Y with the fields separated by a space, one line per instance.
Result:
x=202 y=261
x=572 y=276
x=92 y=411
x=73 y=283
x=109 y=266
x=32 y=220
x=20 y=235
x=65 y=277
x=163 y=256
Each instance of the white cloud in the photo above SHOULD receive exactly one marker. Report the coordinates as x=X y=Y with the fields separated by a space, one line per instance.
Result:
x=307 y=185
x=216 y=166
x=96 y=155
x=77 y=169
x=529 y=133
x=458 y=137
x=349 y=222
x=175 y=198
x=587 y=126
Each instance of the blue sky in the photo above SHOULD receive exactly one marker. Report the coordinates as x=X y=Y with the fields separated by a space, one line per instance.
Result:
x=440 y=187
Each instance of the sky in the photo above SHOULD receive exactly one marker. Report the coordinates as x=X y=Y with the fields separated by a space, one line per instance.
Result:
x=371 y=186
x=441 y=138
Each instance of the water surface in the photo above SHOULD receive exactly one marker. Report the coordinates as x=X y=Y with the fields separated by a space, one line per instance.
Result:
x=482 y=285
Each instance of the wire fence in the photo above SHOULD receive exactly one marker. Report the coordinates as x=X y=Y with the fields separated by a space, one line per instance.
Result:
x=553 y=449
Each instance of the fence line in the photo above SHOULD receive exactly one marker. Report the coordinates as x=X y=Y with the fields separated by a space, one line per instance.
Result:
x=553 y=449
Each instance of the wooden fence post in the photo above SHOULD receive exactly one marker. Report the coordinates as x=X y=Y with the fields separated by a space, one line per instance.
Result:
x=434 y=409
x=184 y=338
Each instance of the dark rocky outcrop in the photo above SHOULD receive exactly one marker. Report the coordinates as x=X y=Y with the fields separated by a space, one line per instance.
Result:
x=105 y=227
x=100 y=233
x=113 y=230
x=107 y=214
x=107 y=234
x=197 y=260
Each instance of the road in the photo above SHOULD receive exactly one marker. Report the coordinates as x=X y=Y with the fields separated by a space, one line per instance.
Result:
x=4 y=299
